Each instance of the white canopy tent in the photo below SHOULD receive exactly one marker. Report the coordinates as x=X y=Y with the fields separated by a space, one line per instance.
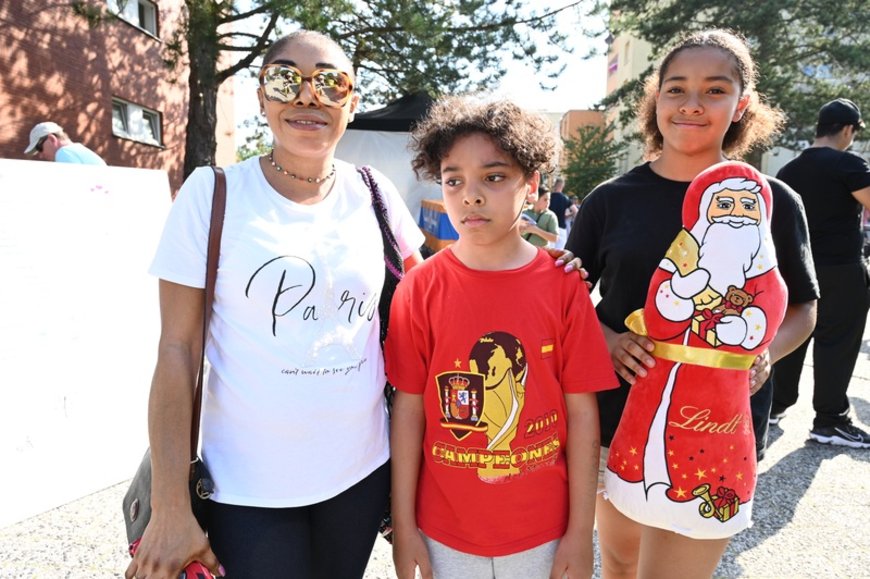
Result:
x=380 y=138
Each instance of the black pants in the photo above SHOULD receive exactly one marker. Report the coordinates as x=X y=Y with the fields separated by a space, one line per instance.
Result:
x=328 y=540
x=760 y=403
x=842 y=315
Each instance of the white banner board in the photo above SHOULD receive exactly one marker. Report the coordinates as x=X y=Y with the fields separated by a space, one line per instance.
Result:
x=79 y=324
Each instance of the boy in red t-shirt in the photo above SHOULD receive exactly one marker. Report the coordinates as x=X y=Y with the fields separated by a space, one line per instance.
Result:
x=496 y=356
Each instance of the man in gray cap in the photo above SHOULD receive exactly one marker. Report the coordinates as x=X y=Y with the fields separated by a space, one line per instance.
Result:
x=49 y=142
x=835 y=187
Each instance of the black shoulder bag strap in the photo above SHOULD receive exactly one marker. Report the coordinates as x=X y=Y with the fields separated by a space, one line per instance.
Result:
x=394 y=268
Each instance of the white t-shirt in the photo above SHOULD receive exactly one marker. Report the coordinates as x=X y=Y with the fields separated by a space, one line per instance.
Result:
x=293 y=412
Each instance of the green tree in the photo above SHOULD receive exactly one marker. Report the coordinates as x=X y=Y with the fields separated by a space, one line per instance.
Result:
x=257 y=143
x=808 y=51
x=396 y=46
x=592 y=157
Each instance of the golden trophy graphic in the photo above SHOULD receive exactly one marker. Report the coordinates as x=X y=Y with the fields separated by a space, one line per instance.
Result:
x=500 y=359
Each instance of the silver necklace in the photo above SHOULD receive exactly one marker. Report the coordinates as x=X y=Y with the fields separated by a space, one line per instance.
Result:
x=316 y=180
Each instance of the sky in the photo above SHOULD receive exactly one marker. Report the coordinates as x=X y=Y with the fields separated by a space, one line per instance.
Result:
x=581 y=85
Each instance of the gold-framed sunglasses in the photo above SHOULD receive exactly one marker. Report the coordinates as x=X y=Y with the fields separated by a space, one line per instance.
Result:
x=282 y=83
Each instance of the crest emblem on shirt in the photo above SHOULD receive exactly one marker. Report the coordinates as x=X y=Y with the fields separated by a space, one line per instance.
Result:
x=461 y=395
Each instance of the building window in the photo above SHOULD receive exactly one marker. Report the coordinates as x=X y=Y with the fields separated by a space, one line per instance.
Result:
x=151 y=126
x=140 y=13
x=137 y=123
x=119 y=119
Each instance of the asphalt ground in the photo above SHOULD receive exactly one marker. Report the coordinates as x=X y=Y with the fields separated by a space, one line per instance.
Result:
x=812 y=513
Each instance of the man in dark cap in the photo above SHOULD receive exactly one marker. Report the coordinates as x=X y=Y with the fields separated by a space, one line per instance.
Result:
x=835 y=187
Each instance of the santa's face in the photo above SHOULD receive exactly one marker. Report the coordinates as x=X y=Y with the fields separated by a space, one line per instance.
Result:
x=727 y=251
x=736 y=208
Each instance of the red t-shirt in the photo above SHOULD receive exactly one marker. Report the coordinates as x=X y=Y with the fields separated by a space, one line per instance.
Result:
x=493 y=353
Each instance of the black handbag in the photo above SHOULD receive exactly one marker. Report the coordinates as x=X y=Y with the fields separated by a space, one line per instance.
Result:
x=394 y=271
x=137 y=501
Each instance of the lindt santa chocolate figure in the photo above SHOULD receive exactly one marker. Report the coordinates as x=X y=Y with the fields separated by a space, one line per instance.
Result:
x=683 y=457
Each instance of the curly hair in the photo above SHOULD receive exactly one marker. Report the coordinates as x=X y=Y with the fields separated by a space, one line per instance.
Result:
x=525 y=136
x=760 y=122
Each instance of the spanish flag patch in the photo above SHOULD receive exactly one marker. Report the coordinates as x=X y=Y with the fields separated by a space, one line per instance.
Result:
x=548 y=346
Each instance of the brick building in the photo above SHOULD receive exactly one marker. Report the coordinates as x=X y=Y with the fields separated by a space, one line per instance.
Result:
x=107 y=85
x=572 y=121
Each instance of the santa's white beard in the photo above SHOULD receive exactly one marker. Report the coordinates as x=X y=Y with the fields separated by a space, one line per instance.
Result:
x=727 y=253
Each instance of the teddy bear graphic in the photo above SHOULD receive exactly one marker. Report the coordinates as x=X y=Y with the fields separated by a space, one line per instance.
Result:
x=735 y=300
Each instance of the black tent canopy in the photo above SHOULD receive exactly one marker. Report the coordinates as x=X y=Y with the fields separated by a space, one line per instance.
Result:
x=398 y=116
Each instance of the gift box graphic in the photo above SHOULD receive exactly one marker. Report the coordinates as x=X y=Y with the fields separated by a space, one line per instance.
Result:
x=704 y=324
x=723 y=505
x=726 y=503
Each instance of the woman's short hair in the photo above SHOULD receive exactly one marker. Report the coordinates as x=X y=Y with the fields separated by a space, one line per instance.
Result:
x=304 y=35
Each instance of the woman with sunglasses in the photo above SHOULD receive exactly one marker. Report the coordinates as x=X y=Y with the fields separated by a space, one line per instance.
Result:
x=294 y=429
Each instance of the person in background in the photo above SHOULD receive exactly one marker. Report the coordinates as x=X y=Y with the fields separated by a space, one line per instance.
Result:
x=560 y=204
x=571 y=214
x=539 y=225
x=865 y=229
x=699 y=109
x=835 y=187
x=49 y=142
x=494 y=431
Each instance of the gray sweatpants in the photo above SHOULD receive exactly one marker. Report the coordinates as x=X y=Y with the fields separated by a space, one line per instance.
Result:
x=448 y=563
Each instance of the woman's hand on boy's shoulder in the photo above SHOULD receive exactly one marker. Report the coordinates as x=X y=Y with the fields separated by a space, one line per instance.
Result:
x=565 y=258
x=409 y=554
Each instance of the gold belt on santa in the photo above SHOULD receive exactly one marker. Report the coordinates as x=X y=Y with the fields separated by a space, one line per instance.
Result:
x=689 y=354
